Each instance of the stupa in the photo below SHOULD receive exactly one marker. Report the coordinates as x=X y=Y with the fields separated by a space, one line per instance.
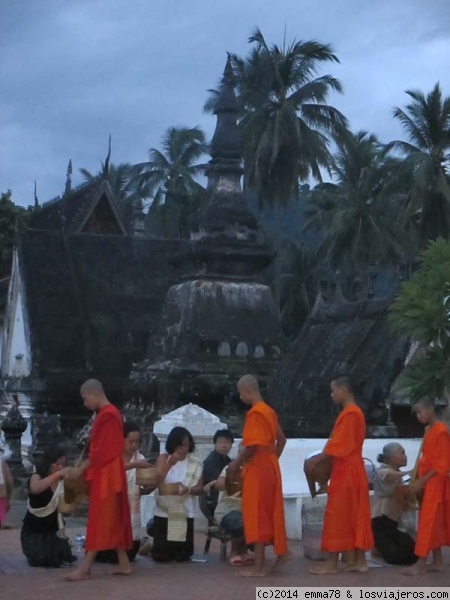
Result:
x=220 y=321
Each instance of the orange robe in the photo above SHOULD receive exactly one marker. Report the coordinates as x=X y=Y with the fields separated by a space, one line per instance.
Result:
x=347 y=524
x=434 y=515
x=109 y=525
x=262 y=496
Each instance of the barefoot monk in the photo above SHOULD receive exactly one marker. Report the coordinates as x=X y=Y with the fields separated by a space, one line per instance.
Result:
x=109 y=524
x=262 y=498
x=347 y=525
x=433 y=482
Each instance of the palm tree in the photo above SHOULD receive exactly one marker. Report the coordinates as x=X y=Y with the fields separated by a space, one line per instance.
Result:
x=168 y=179
x=426 y=120
x=173 y=170
x=285 y=121
x=359 y=215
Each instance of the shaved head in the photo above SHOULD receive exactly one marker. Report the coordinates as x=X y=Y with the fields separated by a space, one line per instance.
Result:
x=248 y=383
x=425 y=402
x=92 y=387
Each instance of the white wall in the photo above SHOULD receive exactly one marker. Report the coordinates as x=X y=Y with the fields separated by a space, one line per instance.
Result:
x=296 y=450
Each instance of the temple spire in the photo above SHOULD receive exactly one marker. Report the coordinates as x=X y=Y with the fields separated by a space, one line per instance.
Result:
x=226 y=141
x=69 y=178
x=105 y=173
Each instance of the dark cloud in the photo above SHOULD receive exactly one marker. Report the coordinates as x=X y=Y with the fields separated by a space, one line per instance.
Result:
x=74 y=72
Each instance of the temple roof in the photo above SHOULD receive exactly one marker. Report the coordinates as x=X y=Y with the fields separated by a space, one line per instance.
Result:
x=355 y=339
x=73 y=210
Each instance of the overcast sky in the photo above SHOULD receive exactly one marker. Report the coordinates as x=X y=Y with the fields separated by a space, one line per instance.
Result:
x=74 y=71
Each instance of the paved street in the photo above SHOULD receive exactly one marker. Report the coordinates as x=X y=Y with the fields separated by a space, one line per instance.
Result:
x=212 y=580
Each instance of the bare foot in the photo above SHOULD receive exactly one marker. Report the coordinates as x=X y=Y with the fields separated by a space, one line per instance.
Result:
x=251 y=573
x=356 y=568
x=415 y=570
x=121 y=572
x=282 y=560
x=323 y=569
x=77 y=576
x=437 y=567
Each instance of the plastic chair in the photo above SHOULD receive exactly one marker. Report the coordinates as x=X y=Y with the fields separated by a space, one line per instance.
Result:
x=207 y=505
x=371 y=472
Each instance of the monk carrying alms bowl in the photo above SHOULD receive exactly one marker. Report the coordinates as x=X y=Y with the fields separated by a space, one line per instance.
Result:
x=317 y=473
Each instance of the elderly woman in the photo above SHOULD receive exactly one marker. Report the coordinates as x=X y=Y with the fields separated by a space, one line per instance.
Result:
x=42 y=536
x=179 y=479
x=395 y=546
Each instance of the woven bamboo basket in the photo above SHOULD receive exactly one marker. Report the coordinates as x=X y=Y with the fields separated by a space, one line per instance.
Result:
x=75 y=489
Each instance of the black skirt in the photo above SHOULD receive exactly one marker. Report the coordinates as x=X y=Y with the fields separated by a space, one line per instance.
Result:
x=45 y=549
x=163 y=550
x=395 y=546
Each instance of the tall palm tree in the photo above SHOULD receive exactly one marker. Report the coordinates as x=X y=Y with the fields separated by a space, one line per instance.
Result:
x=359 y=215
x=168 y=179
x=173 y=169
x=426 y=120
x=285 y=121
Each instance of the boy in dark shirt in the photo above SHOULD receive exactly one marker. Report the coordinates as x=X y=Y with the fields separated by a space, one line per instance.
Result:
x=218 y=459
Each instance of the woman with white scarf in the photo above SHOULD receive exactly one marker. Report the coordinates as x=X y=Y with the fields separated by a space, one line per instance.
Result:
x=42 y=536
x=179 y=480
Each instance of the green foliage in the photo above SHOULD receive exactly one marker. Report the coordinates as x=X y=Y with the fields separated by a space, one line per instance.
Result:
x=422 y=311
x=11 y=216
x=426 y=120
x=285 y=120
x=168 y=181
x=359 y=216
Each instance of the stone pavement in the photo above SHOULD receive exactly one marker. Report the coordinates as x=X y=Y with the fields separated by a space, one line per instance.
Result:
x=213 y=580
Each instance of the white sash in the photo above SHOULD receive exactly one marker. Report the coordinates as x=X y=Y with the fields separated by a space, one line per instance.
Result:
x=51 y=507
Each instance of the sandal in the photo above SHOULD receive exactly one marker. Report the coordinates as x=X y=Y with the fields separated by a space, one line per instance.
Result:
x=237 y=561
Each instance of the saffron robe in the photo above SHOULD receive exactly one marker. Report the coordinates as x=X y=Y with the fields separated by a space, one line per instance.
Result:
x=109 y=524
x=262 y=496
x=434 y=515
x=347 y=524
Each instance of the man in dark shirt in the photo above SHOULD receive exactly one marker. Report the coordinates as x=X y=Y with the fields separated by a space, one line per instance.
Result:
x=218 y=459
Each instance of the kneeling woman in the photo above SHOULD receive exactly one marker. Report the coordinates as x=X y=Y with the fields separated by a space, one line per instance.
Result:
x=42 y=536
x=179 y=478
x=395 y=546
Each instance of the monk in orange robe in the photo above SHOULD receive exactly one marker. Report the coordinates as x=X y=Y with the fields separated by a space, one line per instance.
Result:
x=434 y=481
x=262 y=497
x=347 y=524
x=109 y=524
